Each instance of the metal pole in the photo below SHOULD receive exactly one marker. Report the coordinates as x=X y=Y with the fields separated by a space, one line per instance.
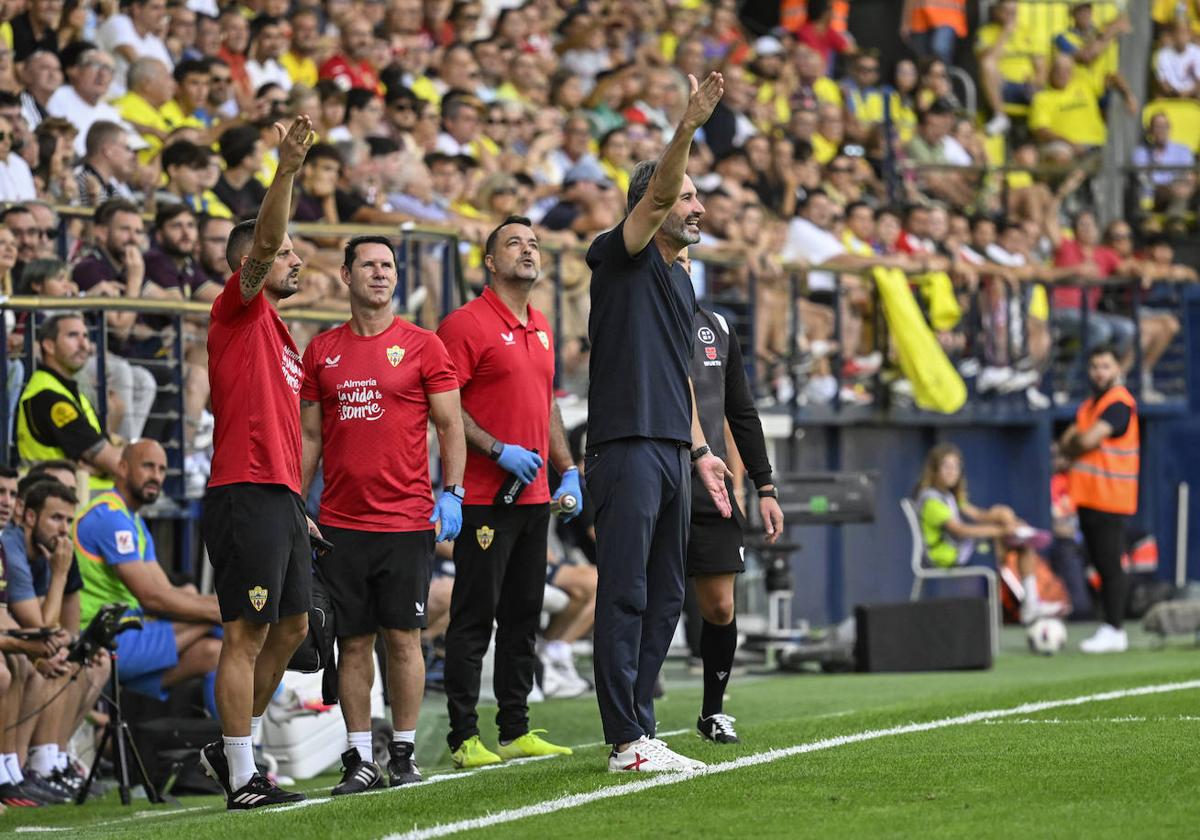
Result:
x=558 y=318
x=1181 y=537
x=6 y=410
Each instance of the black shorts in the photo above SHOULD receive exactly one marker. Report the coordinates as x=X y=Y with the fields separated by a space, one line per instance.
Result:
x=715 y=547
x=257 y=540
x=377 y=579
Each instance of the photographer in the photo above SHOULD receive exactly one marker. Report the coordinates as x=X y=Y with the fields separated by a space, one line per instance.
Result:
x=117 y=558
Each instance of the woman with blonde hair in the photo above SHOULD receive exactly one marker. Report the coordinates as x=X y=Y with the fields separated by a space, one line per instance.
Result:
x=950 y=524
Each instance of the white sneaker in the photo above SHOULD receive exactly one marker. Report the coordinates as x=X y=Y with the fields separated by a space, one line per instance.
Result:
x=694 y=763
x=1019 y=381
x=649 y=755
x=997 y=125
x=820 y=389
x=1036 y=399
x=560 y=680
x=1107 y=639
x=992 y=378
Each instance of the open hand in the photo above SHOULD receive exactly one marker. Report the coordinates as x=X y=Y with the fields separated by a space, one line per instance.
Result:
x=294 y=143
x=713 y=472
x=703 y=98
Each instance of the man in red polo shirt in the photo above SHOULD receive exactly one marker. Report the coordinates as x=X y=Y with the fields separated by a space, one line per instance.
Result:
x=379 y=378
x=254 y=524
x=350 y=68
x=504 y=356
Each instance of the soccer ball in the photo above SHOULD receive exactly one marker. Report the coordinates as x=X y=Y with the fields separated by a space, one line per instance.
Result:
x=1047 y=636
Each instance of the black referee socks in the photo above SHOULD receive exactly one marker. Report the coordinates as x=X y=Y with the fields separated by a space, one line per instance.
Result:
x=717 y=645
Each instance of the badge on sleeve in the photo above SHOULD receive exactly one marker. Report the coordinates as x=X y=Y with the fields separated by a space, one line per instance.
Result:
x=125 y=542
x=62 y=413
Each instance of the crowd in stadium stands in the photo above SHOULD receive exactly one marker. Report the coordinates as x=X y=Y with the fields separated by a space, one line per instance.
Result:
x=458 y=113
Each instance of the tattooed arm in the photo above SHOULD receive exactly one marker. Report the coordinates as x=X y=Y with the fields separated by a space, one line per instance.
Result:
x=272 y=223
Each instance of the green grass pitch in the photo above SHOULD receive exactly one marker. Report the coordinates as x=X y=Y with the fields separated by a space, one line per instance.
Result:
x=1117 y=766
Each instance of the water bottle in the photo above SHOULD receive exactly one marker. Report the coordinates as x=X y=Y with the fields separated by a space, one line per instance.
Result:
x=564 y=505
x=510 y=489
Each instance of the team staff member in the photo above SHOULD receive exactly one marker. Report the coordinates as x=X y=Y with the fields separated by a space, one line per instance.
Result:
x=503 y=353
x=641 y=425
x=714 y=555
x=1103 y=445
x=55 y=419
x=378 y=377
x=254 y=524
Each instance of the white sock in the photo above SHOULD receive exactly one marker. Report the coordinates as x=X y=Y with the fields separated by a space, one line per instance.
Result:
x=361 y=741
x=558 y=650
x=43 y=758
x=5 y=779
x=1031 y=592
x=240 y=754
x=404 y=736
x=14 y=768
x=256 y=724
x=64 y=759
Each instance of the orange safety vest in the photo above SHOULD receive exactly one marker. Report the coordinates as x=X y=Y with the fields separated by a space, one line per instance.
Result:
x=1106 y=478
x=934 y=13
x=794 y=13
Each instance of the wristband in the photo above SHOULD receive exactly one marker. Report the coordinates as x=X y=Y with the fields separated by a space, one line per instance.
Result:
x=497 y=450
x=456 y=490
x=699 y=452
x=768 y=494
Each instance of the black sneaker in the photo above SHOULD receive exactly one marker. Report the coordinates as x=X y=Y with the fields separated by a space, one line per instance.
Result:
x=402 y=766
x=51 y=791
x=216 y=767
x=12 y=796
x=260 y=792
x=717 y=728
x=357 y=775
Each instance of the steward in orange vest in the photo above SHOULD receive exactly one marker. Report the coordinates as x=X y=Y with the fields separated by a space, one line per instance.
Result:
x=1103 y=445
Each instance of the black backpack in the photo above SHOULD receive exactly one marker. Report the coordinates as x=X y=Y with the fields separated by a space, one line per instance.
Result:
x=316 y=652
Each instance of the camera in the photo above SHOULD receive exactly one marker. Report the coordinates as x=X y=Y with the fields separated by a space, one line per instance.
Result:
x=101 y=632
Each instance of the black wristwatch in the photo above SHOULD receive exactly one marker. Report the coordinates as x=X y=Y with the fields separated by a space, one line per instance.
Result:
x=456 y=490
x=773 y=493
x=699 y=452
x=497 y=450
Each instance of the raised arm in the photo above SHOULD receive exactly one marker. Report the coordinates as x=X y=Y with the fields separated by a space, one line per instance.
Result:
x=276 y=208
x=663 y=190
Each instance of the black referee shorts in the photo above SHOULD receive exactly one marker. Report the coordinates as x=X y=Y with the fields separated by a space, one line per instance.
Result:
x=257 y=540
x=377 y=579
x=715 y=546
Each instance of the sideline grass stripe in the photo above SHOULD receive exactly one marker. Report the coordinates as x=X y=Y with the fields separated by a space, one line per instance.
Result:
x=609 y=792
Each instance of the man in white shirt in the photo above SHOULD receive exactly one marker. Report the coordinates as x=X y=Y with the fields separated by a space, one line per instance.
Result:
x=16 y=181
x=1177 y=63
x=132 y=36
x=41 y=75
x=89 y=72
x=267 y=43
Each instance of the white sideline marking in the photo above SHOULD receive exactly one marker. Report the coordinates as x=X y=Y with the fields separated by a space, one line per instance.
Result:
x=609 y=792
x=1065 y=721
x=140 y=815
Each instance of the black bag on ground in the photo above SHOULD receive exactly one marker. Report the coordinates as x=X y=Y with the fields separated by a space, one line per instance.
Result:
x=170 y=746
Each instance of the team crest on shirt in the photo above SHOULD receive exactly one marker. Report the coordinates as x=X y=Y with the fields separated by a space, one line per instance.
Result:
x=545 y=339
x=706 y=335
x=710 y=352
x=258 y=598
x=395 y=354
x=484 y=537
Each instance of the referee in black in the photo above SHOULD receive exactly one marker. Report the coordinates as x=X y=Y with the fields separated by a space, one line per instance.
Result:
x=715 y=554
x=644 y=438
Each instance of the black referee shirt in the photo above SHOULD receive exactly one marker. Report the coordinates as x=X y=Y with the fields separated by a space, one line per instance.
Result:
x=640 y=330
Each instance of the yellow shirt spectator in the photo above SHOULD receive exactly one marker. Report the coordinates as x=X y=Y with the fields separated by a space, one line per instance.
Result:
x=827 y=90
x=1072 y=113
x=823 y=150
x=139 y=113
x=301 y=69
x=1016 y=61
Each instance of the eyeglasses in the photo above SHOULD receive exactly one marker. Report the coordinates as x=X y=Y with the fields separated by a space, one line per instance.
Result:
x=49 y=233
x=4 y=135
x=839 y=170
x=99 y=65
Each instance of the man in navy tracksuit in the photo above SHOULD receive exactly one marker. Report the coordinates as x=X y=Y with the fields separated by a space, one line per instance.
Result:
x=644 y=438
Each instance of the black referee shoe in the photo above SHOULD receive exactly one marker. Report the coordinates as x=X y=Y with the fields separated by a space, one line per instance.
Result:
x=260 y=792
x=717 y=728
x=216 y=766
x=402 y=767
x=358 y=776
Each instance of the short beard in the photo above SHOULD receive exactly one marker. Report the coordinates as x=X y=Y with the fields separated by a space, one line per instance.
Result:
x=675 y=228
x=142 y=497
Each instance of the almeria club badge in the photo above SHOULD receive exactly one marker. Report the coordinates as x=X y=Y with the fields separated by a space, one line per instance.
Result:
x=395 y=355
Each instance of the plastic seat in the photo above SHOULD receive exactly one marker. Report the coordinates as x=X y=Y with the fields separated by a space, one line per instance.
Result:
x=923 y=572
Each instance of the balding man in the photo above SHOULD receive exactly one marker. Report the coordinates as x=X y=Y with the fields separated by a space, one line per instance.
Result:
x=41 y=75
x=151 y=86
x=116 y=557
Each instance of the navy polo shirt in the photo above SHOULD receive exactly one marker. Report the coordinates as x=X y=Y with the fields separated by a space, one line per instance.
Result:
x=640 y=330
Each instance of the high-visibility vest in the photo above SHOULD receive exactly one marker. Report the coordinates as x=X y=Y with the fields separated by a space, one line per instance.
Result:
x=32 y=450
x=1106 y=478
x=794 y=13
x=934 y=13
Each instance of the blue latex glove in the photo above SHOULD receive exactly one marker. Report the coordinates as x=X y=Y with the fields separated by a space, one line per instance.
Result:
x=570 y=485
x=448 y=511
x=520 y=462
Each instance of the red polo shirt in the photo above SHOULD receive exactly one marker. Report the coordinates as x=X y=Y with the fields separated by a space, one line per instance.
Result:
x=506 y=377
x=255 y=373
